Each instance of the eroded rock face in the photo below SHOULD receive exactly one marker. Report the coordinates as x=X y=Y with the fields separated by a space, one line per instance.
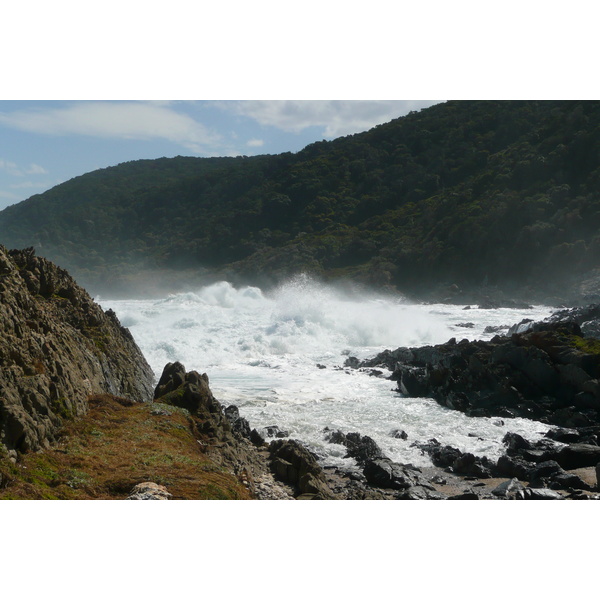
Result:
x=550 y=373
x=57 y=346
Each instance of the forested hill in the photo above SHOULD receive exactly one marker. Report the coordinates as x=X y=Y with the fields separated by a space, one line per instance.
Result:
x=465 y=192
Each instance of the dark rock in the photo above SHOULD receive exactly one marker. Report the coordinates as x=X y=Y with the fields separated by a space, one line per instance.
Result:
x=564 y=435
x=457 y=461
x=274 y=431
x=568 y=481
x=256 y=438
x=360 y=448
x=186 y=390
x=384 y=473
x=239 y=424
x=545 y=470
x=513 y=466
x=494 y=328
x=399 y=434
x=172 y=377
x=522 y=327
x=515 y=442
x=472 y=465
x=541 y=494
x=541 y=374
x=575 y=456
x=352 y=362
x=419 y=492
x=465 y=496
x=296 y=465
x=579 y=315
x=512 y=489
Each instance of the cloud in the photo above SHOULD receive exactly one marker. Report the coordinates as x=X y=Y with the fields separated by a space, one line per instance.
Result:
x=13 y=169
x=115 y=120
x=10 y=167
x=255 y=143
x=337 y=117
x=34 y=169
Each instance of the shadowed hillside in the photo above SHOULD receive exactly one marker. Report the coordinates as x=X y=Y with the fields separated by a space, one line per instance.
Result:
x=468 y=193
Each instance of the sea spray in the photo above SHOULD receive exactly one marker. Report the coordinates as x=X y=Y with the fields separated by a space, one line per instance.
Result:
x=279 y=356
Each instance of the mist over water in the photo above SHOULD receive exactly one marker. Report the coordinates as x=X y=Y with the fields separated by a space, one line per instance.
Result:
x=279 y=356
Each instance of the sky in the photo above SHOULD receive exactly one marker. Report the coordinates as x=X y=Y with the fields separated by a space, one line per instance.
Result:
x=46 y=142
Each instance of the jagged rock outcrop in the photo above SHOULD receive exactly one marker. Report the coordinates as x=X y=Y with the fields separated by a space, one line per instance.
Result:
x=56 y=348
x=550 y=373
x=221 y=433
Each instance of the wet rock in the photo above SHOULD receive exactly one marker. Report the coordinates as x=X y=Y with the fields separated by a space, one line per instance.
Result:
x=457 y=461
x=515 y=442
x=510 y=490
x=540 y=374
x=541 y=494
x=360 y=448
x=399 y=434
x=239 y=424
x=274 y=431
x=495 y=328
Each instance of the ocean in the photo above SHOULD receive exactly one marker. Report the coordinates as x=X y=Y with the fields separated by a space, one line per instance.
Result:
x=279 y=357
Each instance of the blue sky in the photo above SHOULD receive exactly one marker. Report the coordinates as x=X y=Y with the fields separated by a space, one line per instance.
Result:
x=43 y=143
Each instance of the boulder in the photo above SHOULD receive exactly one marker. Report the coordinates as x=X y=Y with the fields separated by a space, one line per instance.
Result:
x=294 y=464
x=384 y=473
x=541 y=494
x=575 y=456
x=510 y=490
x=399 y=434
x=360 y=448
x=149 y=491
x=238 y=423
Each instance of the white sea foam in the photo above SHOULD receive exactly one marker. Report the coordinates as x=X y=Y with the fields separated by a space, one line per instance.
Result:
x=261 y=351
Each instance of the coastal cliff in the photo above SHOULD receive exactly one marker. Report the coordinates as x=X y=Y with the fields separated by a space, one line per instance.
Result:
x=81 y=418
x=57 y=347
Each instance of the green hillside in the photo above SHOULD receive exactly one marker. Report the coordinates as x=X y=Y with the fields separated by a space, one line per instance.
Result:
x=466 y=192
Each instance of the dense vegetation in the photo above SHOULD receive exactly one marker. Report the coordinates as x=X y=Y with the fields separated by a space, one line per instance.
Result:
x=465 y=192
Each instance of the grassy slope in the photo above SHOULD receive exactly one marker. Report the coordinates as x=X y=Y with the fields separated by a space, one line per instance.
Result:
x=117 y=445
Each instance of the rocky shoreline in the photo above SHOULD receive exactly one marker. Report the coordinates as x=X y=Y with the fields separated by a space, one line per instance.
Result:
x=59 y=351
x=560 y=466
